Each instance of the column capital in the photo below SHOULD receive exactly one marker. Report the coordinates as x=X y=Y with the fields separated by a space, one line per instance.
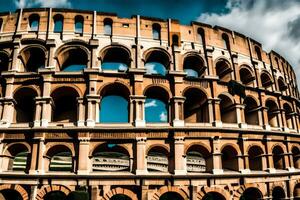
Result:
x=179 y=139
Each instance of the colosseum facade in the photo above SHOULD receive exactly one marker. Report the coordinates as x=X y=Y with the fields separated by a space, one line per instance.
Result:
x=142 y=109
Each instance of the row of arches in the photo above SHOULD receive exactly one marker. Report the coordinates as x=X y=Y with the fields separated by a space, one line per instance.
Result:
x=156 y=61
x=58 y=192
x=112 y=157
x=114 y=106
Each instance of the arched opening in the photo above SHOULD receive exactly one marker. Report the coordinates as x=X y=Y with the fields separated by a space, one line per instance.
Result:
x=58 y=23
x=288 y=116
x=266 y=80
x=171 y=196
x=60 y=159
x=157 y=63
x=296 y=192
x=9 y=194
x=201 y=36
x=34 y=21
x=120 y=197
x=33 y=58
x=251 y=111
x=73 y=59
x=223 y=70
x=65 y=104
x=195 y=106
x=258 y=53
x=278 y=193
x=108 y=26
x=281 y=84
x=55 y=195
x=114 y=105
x=158 y=160
x=4 y=61
x=116 y=58
x=272 y=113
x=193 y=66
x=175 y=40
x=213 y=196
x=156 y=105
x=25 y=105
x=227 y=109
x=246 y=75
x=296 y=156
x=226 y=43
x=79 y=20
x=110 y=157
x=251 y=194
x=229 y=159
x=278 y=158
x=198 y=159
x=156 y=31
x=255 y=155
x=15 y=158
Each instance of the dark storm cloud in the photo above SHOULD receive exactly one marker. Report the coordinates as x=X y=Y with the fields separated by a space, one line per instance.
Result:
x=294 y=28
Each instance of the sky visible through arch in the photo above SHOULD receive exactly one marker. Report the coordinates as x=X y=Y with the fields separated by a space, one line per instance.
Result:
x=274 y=23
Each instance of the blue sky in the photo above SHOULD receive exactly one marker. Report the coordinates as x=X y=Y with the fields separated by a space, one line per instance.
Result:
x=184 y=10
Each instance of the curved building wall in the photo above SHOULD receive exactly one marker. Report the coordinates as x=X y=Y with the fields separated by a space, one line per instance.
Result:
x=230 y=127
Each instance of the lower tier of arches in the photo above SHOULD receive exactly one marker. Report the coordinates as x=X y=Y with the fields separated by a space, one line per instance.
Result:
x=152 y=189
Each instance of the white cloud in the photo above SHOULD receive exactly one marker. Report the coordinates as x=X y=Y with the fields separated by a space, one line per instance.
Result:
x=163 y=117
x=271 y=22
x=150 y=68
x=43 y=3
x=150 y=104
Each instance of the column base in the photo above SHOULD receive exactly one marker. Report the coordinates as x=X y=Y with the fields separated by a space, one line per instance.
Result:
x=140 y=123
x=267 y=127
x=36 y=123
x=90 y=122
x=82 y=172
x=141 y=172
x=245 y=171
x=4 y=124
x=217 y=171
x=217 y=124
x=243 y=125
x=80 y=123
x=33 y=171
x=44 y=123
x=180 y=172
x=291 y=169
x=40 y=171
x=178 y=123
x=271 y=170
x=286 y=129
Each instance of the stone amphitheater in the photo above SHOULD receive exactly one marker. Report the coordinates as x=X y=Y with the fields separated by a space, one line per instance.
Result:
x=142 y=109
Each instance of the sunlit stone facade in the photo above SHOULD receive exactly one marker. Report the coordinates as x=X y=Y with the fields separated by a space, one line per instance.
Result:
x=143 y=109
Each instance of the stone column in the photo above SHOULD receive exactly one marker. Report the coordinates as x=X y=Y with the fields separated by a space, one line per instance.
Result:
x=178 y=104
x=217 y=112
x=245 y=157
x=33 y=192
x=217 y=159
x=269 y=155
x=1 y=152
x=210 y=111
x=95 y=192
x=141 y=161
x=37 y=153
x=283 y=121
x=211 y=67
x=51 y=57
x=15 y=62
x=8 y=112
x=180 y=163
x=83 y=155
x=38 y=110
x=177 y=62
x=81 y=112
x=41 y=149
x=94 y=60
x=240 y=115
x=92 y=102
x=138 y=111
x=46 y=111
x=266 y=124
